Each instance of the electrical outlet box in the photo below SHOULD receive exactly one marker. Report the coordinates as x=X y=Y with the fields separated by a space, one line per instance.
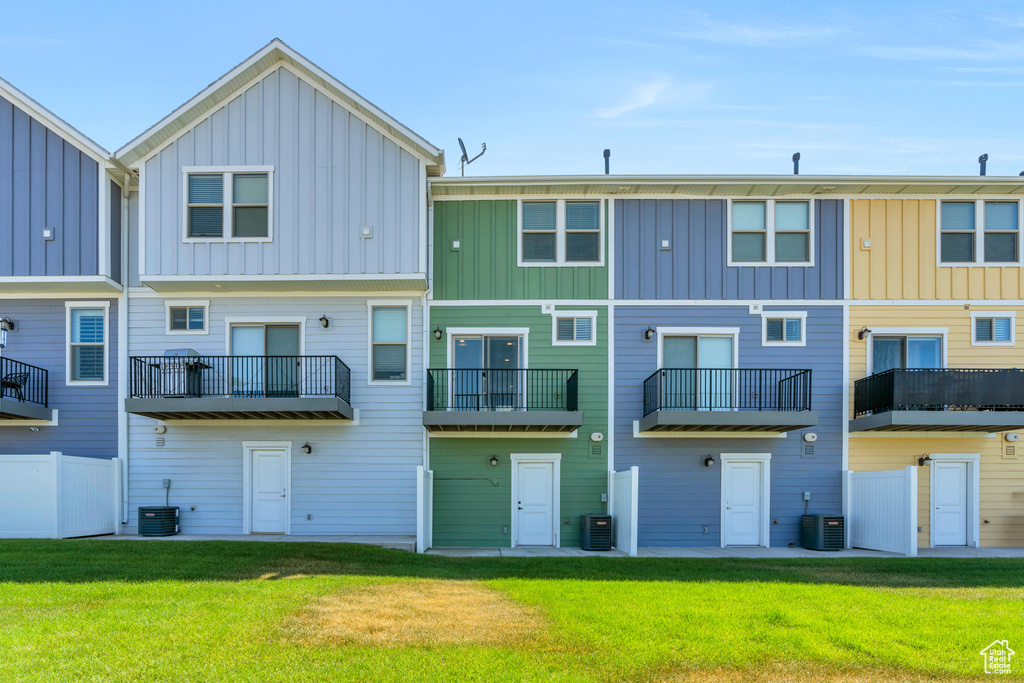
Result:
x=920 y=529
x=705 y=529
x=366 y=231
x=807 y=495
x=47 y=234
x=309 y=517
x=456 y=244
x=604 y=497
x=665 y=244
x=167 y=483
x=504 y=531
x=865 y=244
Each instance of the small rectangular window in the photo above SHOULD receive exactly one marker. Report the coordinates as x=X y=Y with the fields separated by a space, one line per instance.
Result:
x=539 y=227
x=994 y=330
x=87 y=337
x=1001 y=232
x=206 y=205
x=191 y=318
x=574 y=329
x=389 y=338
x=784 y=329
x=957 y=239
x=749 y=232
x=582 y=231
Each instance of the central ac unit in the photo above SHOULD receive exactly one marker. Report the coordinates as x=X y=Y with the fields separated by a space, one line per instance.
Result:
x=596 y=532
x=823 y=532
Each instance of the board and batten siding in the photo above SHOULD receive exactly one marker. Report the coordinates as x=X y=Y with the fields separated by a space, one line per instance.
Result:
x=333 y=174
x=694 y=265
x=901 y=261
x=86 y=415
x=472 y=500
x=485 y=265
x=678 y=495
x=359 y=479
x=1002 y=469
x=46 y=182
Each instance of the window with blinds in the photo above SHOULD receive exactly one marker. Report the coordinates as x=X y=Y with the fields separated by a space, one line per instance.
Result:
x=206 y=205
x=389 y=339
x=1002 y=226
x=980 y=231
x=571 y=329
x=188 y=318
x=539 y=231
x=228 y=205
x=997 y=329
x=582 y=231
x=957 y=239
x=783 y=329
x=770 y=232
x=86 y=341
x=560 y=232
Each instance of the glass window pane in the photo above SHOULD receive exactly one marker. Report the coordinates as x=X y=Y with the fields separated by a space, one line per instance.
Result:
x=250 y=188
x=582 y=215
x=389 y=324
x=679 y=352
x=748 y=215
x=205 y=221
x=791 y=247
x=87 y=325
x=1002 y=329
x=924 y=352
x=887 y=353
x=793 y=329
x=792 y=216
x=958 y=215
x=195 y=318
x=250 y=221
x=179 y=319
x=774 y=330
x=1000 y=215
x=583 y=329
x=87 y=363
x=538 y=246
x=205 y=188
x=957 y=247
x=748 y=247
x=539 y=215
x=715 y=352
x=1001 y=247
x=565 y=329
x=983 y=329
x=582 y=246
x=389 y=361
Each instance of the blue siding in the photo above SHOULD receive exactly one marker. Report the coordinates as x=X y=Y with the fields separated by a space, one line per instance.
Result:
x=694 y=265
x=678 y=495
x=45 y=182
x=86 y=416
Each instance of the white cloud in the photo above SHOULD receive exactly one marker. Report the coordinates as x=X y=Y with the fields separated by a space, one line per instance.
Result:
x=755 y=36
x=989 y=51
x=643 y=96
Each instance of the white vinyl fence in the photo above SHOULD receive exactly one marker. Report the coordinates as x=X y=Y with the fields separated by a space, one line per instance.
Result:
x=424 y=508
x=624 y=487
x=882 y=510
x=57 y=496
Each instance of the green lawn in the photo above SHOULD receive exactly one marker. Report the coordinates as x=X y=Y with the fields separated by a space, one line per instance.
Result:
x=204 y=611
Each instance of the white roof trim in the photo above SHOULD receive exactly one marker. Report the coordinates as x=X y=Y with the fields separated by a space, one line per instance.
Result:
x=54 y=122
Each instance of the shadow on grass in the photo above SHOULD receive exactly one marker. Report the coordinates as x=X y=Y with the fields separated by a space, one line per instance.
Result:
x=32 y=561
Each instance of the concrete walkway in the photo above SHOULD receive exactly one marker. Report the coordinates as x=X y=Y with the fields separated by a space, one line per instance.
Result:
x=407 y=543
x=765 y=553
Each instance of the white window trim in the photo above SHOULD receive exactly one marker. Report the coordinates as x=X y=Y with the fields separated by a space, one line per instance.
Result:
x=390 y=303
x=247 y=448
x=766 y=492
x=905 y=332
x=228 y=223
x=979 y=234
x=556 y=315
x=769 y=231
x=68 y=370
x=733 y=332
x=1012 y=315
x=556 y=491
x=766 y=315
x=560 y=233
x=523 y=332
x=973 y=461
x=256 y=321
x=189 y=303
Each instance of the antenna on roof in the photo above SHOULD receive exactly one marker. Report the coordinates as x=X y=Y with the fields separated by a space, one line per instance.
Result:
x=981 y=160
x=796 y=164
x=465 y=160
x=607 y=154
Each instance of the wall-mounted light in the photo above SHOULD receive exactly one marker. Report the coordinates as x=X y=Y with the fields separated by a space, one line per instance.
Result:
x=438 y=333
x=709 y=461
x=649 y=334
x=307 y=448
x=494 y=461
x=924 y=460
x=6 y=324
x=862 y=332
x=324 y=321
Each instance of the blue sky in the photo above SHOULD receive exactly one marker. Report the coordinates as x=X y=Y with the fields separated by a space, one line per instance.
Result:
x=670 y=87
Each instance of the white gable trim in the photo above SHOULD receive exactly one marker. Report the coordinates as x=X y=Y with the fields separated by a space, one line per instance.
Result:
x=55 y=123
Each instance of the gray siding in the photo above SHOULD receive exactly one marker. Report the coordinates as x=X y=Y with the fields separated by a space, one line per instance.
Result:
x=678 y=495
x=333 y=174
x=116 y=235
x=695 y=265
x=86 y=416
x=360 y=479
x=45 y=182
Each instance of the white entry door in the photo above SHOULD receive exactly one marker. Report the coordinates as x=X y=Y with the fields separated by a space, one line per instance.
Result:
x=949 y=503
x=743 y=510
x=269 y=491
x=534 y=504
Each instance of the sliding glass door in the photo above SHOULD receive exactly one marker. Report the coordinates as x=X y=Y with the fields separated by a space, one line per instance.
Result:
x=486 y=373
x=265 y=360
x=698 y=372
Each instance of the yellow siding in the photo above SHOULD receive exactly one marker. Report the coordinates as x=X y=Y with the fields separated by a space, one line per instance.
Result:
x=1002 y=474
x=901 y=263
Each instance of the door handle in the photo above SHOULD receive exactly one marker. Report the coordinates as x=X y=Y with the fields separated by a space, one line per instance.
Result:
x=520 y=508
x=282 y=495
x=728 y=508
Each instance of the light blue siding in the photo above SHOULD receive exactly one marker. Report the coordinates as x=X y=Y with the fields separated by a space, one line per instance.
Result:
x=678 y=494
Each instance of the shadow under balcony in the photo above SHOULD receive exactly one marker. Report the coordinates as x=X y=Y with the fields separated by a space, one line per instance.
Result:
x=23 y=391
x=502 y=401
x=948 y=400
x=727 y=400
x=194 y=387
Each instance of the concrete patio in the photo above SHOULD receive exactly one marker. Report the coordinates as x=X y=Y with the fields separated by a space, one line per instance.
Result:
x=749 y=553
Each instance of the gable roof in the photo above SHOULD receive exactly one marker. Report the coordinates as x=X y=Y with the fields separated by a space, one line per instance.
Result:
x=54 y=122
x=225 y=87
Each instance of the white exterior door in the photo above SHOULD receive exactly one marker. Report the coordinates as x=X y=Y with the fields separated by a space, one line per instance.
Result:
x=269 y=491
x=741 y=488
x=949 y=503
x=534 y=504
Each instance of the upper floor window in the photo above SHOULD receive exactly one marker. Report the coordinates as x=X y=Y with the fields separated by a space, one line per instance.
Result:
x=560 y=232
x=228 y=203
x=87 y=343
x=906 y=351
x=389 y=354
x=990 y=328
x=979 y=232
x=770 y=232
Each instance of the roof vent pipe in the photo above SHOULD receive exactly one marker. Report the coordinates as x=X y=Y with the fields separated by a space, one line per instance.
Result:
x=607 y=154
x=981 y=160
x=796 y=164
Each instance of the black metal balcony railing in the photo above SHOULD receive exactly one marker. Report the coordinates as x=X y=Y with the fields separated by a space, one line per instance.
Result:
x=502 y=390
x=240 y=377
x=23 y=382
x=727 y=389
x=950 y=389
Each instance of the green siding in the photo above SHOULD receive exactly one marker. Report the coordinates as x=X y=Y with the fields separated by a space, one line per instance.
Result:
x=484 y=266
x=472 y=500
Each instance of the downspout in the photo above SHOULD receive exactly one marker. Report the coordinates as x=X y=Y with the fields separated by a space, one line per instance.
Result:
x=122 y=349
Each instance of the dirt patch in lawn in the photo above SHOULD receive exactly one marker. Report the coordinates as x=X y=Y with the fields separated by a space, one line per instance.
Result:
x=420 y=613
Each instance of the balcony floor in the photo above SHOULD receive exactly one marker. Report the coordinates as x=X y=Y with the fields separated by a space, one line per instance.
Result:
x=726 y=421
x=232 y=408
x=13 y=409
x=497 y=421
x=982 y=421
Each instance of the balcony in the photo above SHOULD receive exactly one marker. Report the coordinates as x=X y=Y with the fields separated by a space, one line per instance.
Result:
x=502 y=401
x=727 y=400
x=951 y=400
x=23 y=391
x=240 y=388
